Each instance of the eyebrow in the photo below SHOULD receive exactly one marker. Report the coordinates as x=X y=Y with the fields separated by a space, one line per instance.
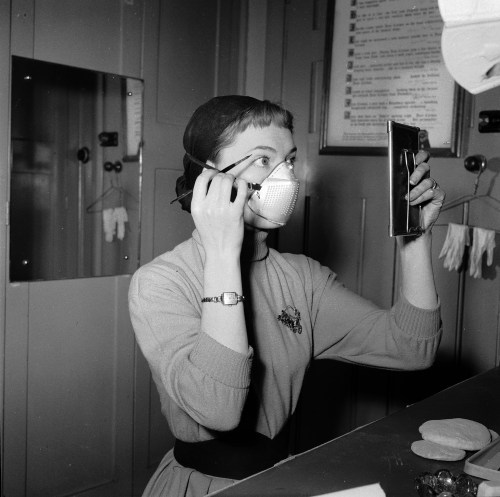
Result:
x=271 y=149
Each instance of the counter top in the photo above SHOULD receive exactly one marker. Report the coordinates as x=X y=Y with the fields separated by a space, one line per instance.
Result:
x=380 y=451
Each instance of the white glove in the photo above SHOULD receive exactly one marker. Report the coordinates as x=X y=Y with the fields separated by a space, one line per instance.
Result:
x=457 y=238
x=121 y=217
x=483 y=241
x=108 y=224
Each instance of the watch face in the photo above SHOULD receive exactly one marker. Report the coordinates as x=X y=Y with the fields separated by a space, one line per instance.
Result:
x=229 y=298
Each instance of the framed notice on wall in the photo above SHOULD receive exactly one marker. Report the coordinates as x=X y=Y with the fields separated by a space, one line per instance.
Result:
x=383 y=62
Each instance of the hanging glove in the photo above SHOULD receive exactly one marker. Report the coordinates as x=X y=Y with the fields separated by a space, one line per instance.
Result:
x=483 y=241
x=121 y=217
x=457 y=238
x=108 y=224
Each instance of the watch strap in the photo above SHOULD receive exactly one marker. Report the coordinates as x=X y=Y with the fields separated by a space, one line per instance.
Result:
x=226 y=298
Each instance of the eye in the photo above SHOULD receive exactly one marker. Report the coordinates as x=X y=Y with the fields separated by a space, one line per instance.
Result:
x=263 y=161
x=291 y=161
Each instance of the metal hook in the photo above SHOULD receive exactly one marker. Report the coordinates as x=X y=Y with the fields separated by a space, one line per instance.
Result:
x=476 y=163
x=113 y=166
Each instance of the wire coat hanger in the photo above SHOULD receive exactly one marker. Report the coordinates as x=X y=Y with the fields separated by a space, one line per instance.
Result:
x=466 y=200
x=112 y=188
x=473 y=196
x=470 y=198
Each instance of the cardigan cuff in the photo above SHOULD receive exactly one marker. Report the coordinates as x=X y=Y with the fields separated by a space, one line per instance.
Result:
x=222 y=363
x=422 y=323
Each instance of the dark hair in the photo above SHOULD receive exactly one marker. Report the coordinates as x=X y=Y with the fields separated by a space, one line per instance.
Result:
x=215 y=125
x=261 y=115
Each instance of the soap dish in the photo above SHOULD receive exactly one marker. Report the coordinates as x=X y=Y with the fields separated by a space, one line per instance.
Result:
x=486 y=462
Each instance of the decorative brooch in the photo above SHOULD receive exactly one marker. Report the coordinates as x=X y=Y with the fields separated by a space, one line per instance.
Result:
x=290 y=317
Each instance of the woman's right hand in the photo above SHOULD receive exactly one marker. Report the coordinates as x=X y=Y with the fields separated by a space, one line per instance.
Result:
x=218 y=220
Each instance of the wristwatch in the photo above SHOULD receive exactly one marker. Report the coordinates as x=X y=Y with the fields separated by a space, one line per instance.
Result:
x=226 y=298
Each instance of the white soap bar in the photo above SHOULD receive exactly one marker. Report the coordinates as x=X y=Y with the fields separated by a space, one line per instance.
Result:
x=488 y=489
x=374 y=490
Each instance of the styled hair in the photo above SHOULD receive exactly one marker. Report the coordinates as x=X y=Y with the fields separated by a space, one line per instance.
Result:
x=215 y=125
x=261 y=115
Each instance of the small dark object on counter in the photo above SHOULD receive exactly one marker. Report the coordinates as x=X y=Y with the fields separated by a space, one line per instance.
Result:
x=444 y=484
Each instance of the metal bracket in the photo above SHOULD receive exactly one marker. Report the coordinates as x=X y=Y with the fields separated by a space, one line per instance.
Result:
x=489 y=121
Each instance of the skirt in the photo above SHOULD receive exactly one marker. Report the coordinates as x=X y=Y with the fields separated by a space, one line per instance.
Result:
x=171 y=479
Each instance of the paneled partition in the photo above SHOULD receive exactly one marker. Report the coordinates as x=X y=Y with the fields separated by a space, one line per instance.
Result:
x=69 y=369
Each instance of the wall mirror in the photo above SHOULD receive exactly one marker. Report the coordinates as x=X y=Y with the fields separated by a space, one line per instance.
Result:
x=76 y=142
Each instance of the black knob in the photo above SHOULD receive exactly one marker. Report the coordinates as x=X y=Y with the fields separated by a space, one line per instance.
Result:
x=475 y=163
x=83 y=155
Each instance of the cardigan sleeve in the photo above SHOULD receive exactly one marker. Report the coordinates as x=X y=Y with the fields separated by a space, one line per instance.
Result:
x=206 y=380
x=350 y=328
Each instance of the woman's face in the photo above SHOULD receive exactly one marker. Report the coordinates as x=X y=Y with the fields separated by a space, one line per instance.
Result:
x=267 y=148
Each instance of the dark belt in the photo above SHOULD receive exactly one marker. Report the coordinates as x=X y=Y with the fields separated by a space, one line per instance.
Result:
x=236 y=456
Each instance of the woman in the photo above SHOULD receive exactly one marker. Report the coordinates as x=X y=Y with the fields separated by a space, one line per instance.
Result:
x=229 y=326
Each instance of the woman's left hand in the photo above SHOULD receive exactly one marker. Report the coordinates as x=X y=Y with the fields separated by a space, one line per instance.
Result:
x=425 y=192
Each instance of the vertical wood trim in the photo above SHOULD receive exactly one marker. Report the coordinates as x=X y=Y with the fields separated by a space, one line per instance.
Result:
x=151 y=127
x=315 y=95
x=315 y=23
x=227 y=63
x=5 y=16
x=395 y=273
x=242 y=53
x=307 y=216
x=361 y=250
x=132 y=37
x=497 y=350
x=275 y=45
x=150 y=70
x=460 y=299
x=15 y=400
x=124 y=380
x=256 y=48
x=218 y=47
x=359 y=290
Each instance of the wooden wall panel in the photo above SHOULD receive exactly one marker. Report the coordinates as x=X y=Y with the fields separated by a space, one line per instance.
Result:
x=186 y=58
x=327 y=219
x=103 y=36
x=69 y=392
x=78 y=387
x=479 y=343
x=172 y=225
x=57 y=22
x=15 y=393
x=22 y=34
